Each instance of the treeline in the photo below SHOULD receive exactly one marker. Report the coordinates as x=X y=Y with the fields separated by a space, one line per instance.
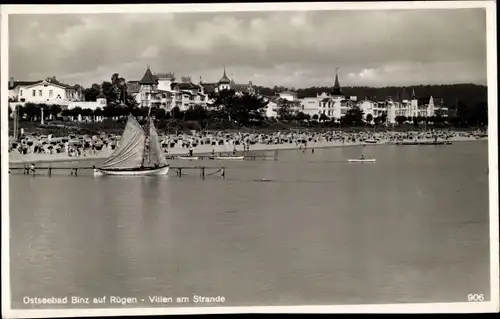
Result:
x=232 y=110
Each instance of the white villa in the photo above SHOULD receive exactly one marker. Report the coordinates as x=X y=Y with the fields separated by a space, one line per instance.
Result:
x=336 y=104
x=162 y=90
x=49 y=91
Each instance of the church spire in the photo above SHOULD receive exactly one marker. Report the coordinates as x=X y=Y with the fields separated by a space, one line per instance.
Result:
x=413 y=95
x=336 y=85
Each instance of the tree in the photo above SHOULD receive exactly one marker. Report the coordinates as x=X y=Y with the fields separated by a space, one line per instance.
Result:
x=66 y=113
x=284 y=110
x=323 y=117
x=383 y=118
x=87 y=112
x=353 y=117
x=91 y=93
x=116 y=91
x=415 y=121
x=31 y=110
x=177 y=113
x=196 y=113
x=55 y=110
x=369 y=118
x=463 y=113
x=158 y=112
x=98 y=112
x=76 y=111
x=301 y=116
x=400 y=119
x=315 y=117
x=248 y=108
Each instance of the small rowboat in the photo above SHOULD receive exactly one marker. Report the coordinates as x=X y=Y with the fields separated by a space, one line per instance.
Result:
x=369 y=160
x=232 y=158
x=371 y=141
x=191 y=158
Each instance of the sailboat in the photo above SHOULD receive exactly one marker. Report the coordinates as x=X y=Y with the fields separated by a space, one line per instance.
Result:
x=138 y=153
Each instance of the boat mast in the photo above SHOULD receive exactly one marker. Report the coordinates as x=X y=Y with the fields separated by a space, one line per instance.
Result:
x=147 y=140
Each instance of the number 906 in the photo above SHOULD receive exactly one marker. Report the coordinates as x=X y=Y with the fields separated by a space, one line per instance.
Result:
x=475 y=297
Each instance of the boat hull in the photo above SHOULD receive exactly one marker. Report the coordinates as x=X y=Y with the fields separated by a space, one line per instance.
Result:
x=162 y=171
x=368 y=160
x=190 y=158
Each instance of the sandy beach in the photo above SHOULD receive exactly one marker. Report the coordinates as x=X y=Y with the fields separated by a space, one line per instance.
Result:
x=226 y=149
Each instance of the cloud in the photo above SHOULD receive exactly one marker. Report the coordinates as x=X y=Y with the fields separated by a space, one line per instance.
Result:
x=297 y=49
x=150 y=52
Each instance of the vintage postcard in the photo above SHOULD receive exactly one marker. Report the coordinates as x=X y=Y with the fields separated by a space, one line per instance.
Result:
x=249 y=158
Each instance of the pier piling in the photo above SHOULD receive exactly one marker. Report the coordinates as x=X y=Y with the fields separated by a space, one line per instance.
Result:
x=31 y=170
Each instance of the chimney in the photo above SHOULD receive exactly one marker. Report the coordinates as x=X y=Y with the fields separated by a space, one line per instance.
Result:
x=11 y=82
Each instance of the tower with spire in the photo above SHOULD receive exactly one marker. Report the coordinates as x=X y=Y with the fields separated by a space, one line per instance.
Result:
x=431 y=108
x=149 y=87
x=337 y=91
x=333 y=103
x=413 y=107
x=224 y=82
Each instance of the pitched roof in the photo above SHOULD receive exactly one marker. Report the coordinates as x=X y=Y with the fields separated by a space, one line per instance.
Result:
x=48 y=80
x=22 y=83
x=187 y=86
x=209 y=87
x=336 y=86
x=148 y=78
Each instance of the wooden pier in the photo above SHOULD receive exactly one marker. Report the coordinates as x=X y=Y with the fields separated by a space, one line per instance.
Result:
x=247 y=156
x=73 y=171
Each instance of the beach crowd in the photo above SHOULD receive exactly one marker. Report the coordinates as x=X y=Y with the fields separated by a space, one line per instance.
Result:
x=102 y=145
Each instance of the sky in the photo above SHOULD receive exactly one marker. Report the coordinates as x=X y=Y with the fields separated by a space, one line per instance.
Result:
x=295 y=49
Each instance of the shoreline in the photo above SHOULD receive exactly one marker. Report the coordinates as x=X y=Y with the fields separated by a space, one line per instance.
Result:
x=205 y=150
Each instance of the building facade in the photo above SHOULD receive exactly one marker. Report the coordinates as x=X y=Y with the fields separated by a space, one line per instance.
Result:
x=162 y=90
x=48 y=91
x=336 y=104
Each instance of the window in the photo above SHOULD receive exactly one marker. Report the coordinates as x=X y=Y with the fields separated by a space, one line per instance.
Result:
x=39 y=92
x=34 y=92
x=21 y=93
x=51 y=92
